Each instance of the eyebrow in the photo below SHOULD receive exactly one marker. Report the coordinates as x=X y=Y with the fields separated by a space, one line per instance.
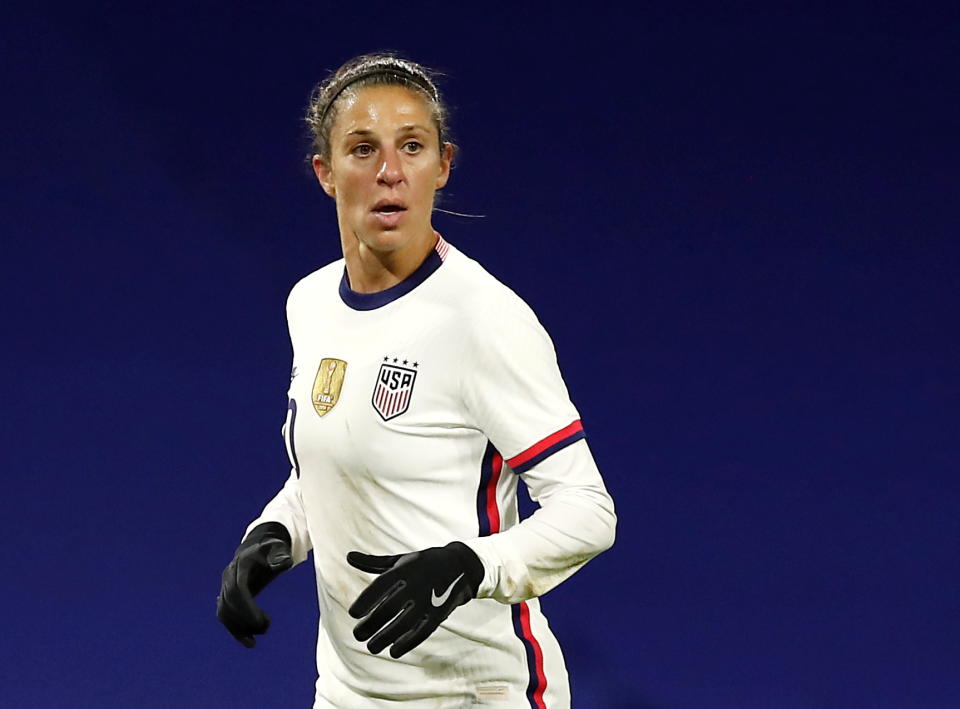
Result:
x=407 y=127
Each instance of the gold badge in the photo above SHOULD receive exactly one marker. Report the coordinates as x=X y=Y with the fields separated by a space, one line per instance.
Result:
x=327 y=385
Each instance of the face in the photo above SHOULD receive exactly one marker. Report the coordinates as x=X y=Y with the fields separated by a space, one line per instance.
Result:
x=385 y=166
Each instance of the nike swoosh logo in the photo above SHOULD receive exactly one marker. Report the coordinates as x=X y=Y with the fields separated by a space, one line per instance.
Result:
x=438 y=601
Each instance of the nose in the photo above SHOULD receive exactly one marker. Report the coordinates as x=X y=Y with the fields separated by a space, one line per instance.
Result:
x=391 y=170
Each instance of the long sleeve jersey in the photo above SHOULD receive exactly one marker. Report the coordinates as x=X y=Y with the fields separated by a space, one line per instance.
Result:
x=413 y=414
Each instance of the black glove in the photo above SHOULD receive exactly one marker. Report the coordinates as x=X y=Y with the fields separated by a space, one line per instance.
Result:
x=425 y=585
x=262 y=556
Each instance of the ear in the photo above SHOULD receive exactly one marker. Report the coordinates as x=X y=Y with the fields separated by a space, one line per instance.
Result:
x=324 y=176
x=446 y=161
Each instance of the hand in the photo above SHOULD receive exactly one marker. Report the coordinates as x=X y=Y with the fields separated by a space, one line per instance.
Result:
x=423 y=587
x=262 y=556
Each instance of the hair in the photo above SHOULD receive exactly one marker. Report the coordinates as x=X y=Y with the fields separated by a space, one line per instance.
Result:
x=378 y=69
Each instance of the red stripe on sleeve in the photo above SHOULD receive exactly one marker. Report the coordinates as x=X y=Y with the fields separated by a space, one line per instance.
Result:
x=550 y=440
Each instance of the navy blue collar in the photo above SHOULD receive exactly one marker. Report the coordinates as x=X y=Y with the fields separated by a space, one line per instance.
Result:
x=372 y=301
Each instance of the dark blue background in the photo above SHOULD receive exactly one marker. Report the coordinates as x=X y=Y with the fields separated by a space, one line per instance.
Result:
x=740 y=227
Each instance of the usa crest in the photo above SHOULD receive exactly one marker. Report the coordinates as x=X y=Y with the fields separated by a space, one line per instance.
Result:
x=391 y=395
x=327 y=384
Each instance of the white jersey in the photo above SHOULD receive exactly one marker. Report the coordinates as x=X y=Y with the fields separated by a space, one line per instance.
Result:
x=413 y=413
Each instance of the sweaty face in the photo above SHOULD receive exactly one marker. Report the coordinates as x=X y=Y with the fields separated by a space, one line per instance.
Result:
x=385 y=166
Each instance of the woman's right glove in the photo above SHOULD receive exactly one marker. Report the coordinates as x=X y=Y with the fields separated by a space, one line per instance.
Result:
x=263 y=555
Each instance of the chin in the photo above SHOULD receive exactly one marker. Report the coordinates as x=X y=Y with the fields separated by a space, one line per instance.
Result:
x=386 y=239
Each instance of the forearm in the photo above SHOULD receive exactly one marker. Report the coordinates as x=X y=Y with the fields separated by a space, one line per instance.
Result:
x=286 y=508
x=575 y=522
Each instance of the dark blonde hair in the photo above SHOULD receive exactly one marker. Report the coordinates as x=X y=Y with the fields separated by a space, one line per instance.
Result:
x=382 y=68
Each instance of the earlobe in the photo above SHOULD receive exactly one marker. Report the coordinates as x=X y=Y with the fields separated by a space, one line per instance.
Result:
x=324 y=176
x=446 y=160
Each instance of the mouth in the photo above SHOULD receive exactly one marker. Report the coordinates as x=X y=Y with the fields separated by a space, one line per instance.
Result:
x=388 y=207
x=388 y=213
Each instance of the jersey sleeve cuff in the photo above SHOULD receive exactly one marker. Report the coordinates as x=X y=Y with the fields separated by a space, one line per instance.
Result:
x=484 y=549
x=299 y=549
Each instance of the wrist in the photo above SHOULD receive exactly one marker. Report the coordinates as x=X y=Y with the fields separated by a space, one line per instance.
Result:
x=470 y=563
x=268 y=530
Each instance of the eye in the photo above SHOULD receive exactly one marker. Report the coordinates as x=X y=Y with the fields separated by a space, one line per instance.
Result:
x=413 y=147
x=362 y=150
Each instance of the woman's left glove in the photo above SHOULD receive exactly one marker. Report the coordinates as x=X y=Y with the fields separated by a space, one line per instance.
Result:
x=423 y=587
x=263 y=555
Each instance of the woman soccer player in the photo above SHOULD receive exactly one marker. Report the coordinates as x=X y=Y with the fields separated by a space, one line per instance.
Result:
x=422 y=391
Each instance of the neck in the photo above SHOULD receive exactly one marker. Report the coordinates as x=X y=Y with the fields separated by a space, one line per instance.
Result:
x=372 y=271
